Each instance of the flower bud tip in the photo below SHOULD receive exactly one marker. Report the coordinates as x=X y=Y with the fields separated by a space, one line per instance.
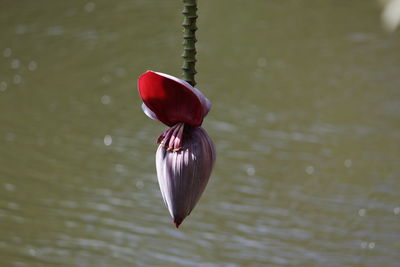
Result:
x=176 y=224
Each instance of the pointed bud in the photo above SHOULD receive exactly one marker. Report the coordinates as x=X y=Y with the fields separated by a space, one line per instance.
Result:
x=184 y=174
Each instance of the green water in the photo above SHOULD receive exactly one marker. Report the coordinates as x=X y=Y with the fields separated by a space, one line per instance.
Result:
x=305 y=118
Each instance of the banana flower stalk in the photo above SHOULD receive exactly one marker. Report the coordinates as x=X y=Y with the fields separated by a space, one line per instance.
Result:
x=186 y=154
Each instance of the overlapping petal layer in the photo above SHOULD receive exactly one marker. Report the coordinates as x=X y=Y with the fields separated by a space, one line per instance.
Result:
x=183 y=175
x=172 y=100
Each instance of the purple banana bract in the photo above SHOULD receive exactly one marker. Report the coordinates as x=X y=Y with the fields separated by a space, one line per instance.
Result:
x=186 y=154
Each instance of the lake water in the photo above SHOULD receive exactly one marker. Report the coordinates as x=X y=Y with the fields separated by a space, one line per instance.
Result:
x=305 y=118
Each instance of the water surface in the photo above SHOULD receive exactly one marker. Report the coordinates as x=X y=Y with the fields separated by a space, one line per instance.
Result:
x=305 y=118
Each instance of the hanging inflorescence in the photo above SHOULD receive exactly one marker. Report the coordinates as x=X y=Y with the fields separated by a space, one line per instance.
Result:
x=186 y=154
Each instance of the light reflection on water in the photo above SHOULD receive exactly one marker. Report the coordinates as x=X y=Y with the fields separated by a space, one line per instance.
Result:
x=305 y=120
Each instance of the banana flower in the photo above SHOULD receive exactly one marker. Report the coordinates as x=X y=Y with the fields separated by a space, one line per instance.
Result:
x=186 y=154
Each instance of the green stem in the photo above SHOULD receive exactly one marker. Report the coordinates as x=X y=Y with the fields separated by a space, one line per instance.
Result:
x=189 y=40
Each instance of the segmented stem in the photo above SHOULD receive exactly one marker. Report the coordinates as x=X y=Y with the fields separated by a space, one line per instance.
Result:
x=189 y=40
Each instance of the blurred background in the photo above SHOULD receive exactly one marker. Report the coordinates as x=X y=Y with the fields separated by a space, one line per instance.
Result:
x=305 y=118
